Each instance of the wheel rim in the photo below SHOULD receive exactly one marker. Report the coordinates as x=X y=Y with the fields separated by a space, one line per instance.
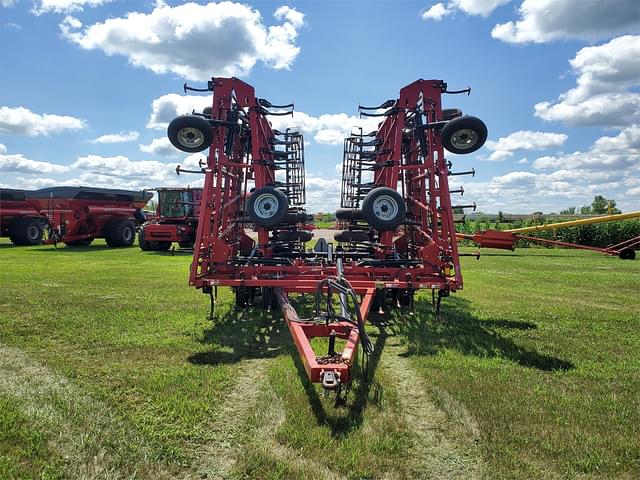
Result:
x=33 y=232
x=127 y=234
x=266 y=205
x=190 y=137
x=385 y=208
x=464 y=139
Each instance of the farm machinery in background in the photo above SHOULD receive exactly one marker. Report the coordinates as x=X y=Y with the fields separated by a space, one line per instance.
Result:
x=72 y=215
x=175 y=220
x=507 y=239
x=397 y=215
x=19 y=220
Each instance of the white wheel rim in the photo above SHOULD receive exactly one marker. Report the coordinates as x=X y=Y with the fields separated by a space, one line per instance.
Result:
x=33 y=232
x=127 y=234
x=190 y=137
x=464 y=139
x=266 y=205
x=385 y=208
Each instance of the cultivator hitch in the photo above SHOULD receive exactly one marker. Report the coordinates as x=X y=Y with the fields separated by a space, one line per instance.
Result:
x=396 y=215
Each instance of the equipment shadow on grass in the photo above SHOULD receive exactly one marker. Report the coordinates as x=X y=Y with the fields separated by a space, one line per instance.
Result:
x=364 y=389
x=63 y=249
x=255 y=333
x=460 y=330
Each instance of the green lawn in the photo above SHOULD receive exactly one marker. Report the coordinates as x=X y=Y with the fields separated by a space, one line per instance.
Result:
x=109 y=368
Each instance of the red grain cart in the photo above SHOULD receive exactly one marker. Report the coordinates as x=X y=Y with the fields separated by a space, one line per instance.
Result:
x=78 y=215
x=19 y=220
x=176 y=220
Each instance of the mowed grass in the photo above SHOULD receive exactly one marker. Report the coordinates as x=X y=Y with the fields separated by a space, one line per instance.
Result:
x=109 y=368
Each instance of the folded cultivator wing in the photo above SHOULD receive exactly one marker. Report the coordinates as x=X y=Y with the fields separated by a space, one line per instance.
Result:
x=396 y=214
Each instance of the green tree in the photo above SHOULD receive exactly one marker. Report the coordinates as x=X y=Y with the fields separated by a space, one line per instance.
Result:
x=500 y=217
x=568 y=211
x=585 y=210
x=602 y=206
x=599 y=204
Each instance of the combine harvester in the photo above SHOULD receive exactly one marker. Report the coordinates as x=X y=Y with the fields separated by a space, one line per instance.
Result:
x=176 y=219
x=396 y=210
x=73 y=215
x=507 y=239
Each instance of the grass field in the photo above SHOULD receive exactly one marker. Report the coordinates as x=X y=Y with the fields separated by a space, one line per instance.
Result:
x=110 y=369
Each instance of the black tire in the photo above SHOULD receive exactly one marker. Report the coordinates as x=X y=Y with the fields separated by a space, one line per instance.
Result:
x=159 y=246
x=627 y=254
x=348 y=236
x=299 y=236
x=206 y=111
x=79 y=243
x=451 y=113
x=26 y=231
x=190 y=133
x=119 y=233
x=383 y=208
x=349 y=214
x=145 y=245
x=267 y=207
x=464 y=135
x=299 y=217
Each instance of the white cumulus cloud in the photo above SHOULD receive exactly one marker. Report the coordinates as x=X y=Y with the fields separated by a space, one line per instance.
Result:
x=470 y=7
x=505 y=147
x=546 y=20
x=18 y=163
x=436 y=12
x=606 y=87
x=194 y=41
x=22 y=121
x=121 y=137
x=65 y=6
x=328 y=128
x=167 y=107
x=621 y=152
x=160 y=146
x=120 y=166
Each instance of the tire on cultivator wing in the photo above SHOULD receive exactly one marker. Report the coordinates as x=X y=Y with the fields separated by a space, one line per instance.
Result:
x=119 y=233
x=26 y=231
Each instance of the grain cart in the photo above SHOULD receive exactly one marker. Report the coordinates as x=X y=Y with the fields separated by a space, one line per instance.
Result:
x=175 y=220
x=396 y=210
x=19 y=220
x=77 y=215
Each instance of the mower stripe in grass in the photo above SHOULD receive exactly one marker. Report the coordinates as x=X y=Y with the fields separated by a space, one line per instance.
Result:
x=93 y=441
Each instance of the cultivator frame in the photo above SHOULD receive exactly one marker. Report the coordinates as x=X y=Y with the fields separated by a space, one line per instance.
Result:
x=389 y=248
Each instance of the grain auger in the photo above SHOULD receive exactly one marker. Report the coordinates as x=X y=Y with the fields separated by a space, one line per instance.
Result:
x=398 y=225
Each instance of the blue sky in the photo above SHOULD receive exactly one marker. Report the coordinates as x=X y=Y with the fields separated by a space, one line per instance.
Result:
x=87 y=87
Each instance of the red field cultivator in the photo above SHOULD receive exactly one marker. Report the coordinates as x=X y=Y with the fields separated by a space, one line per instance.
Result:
x=176 y=220
x=396 y=213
